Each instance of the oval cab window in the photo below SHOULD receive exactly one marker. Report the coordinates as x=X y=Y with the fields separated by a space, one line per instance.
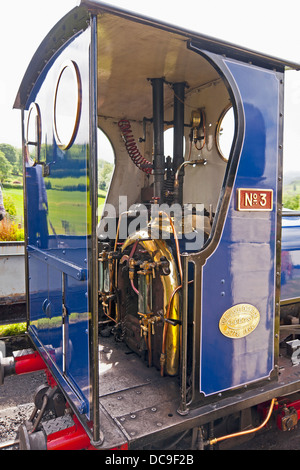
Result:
x=67 y=105
x=34 y=131
x=225 y=133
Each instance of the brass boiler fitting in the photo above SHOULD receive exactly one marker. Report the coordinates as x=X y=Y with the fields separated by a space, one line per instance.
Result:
x=195 y=124
x=106 y=289
x=106 y=261
x=158 y=249
x=131 y=269
x=145 y=275
x=102 y=260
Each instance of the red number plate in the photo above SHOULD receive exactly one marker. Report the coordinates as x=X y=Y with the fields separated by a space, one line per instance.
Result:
x=254 y=199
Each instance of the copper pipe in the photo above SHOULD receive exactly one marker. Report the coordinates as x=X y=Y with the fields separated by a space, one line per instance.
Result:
x=176 y=243
x=118 y=229
x=107 y=311
x=113 y=274
x=165 y=329
x=249 y=431
x=133 y=287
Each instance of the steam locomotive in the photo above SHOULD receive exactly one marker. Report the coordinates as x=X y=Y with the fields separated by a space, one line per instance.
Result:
x=162 y=292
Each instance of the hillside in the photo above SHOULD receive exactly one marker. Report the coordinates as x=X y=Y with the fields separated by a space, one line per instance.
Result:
x=291 y=191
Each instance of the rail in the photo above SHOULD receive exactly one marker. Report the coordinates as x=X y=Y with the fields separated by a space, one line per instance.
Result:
x=6 y=444
x=291 y=213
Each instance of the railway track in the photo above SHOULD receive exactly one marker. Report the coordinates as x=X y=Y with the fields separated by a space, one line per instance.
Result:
x=9 y=445
x=10 y=420
x=16 y=403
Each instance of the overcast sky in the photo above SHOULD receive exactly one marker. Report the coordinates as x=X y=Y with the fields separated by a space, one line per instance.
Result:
x=269 y=26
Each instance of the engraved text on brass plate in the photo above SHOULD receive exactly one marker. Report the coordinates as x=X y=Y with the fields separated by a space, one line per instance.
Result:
x=239 y=321
x=254 y=199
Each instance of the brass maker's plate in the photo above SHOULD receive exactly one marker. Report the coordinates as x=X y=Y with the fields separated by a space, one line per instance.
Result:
x=239 y=321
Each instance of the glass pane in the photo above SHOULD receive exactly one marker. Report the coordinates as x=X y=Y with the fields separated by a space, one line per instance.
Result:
x=67 y=105
x=169 y=142
x=106 y=164
x=33 y=134
x=225 y=133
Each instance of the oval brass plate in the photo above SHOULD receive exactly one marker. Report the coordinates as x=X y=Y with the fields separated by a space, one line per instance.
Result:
x=239 y=321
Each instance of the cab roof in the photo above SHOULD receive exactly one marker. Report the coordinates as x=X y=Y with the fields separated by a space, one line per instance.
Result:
x=77 y=20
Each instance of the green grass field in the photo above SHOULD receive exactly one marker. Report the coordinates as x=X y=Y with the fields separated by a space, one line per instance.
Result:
x=16 y=196
x=67 y=209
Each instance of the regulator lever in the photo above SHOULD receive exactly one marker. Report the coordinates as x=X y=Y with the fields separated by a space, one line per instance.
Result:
x=173 y=322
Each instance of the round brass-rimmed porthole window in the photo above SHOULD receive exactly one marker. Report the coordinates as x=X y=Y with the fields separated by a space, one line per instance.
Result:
x=34 y=131
x=225 y=132
x=67 y=105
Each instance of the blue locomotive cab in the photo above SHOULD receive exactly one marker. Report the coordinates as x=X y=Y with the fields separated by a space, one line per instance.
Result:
x=153 y=267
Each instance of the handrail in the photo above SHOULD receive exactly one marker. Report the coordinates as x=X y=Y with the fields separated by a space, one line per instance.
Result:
x=183 y=408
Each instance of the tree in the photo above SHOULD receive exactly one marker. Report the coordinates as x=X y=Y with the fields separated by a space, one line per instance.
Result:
x=19 y=164
x=105 y=175
x=10 y=153
x=5 y=167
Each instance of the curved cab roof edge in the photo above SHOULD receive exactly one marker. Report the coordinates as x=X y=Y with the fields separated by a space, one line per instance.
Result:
x=78 y=16
x=74 y=21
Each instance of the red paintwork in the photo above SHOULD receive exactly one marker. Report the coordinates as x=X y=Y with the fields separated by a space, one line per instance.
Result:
x=29 y=363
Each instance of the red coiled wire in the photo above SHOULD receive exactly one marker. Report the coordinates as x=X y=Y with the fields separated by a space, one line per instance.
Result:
x=132 y=148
